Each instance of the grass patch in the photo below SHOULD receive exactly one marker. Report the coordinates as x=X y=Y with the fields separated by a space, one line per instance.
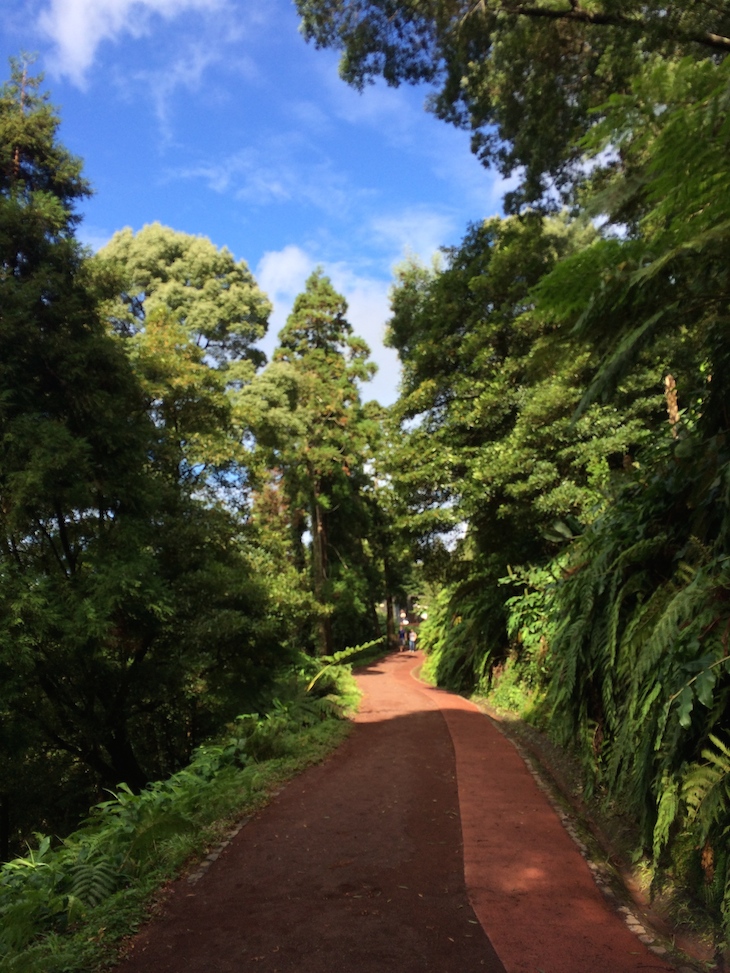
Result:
x=509 y=693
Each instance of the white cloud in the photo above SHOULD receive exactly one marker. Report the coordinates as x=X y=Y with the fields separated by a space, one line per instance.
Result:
x=417 y=230
x=78 y=27
x=281 y=274
x=367 y=300
x=368 y=312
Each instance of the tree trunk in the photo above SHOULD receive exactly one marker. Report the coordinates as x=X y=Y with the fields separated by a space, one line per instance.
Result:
x=319 y=569
x=390 y=623
x=124 y=763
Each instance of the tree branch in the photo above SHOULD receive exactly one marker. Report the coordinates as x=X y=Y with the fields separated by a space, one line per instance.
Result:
x=59 y=559
x=717 y=42
x=65 y=540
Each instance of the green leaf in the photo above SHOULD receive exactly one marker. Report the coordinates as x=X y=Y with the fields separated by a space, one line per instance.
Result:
x=704 y=684
x=563 y=529
x=685 y=706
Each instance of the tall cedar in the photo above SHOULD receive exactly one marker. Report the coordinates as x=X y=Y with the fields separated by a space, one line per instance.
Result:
x=318 y=434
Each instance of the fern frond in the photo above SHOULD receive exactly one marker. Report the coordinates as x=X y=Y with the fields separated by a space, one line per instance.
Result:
x=667 y=812
x=159 y=827
x=706 y=789
x=93 y=881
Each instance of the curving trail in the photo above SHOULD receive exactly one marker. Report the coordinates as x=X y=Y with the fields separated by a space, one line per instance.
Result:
x=423 y=844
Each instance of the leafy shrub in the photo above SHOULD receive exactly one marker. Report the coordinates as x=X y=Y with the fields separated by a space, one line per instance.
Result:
x=98 y=876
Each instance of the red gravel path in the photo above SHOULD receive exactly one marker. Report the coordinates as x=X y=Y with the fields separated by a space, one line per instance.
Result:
x=358 y=866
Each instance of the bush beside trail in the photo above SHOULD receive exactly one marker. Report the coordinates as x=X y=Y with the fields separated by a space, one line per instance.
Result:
x=66 y=905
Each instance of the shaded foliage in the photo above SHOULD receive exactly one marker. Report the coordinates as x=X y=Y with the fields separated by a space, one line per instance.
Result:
x=490 y=387
x=131 y=622
x=527 y=79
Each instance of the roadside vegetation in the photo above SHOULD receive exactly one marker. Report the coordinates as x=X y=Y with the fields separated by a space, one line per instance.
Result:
x=180 y=521
x=68 y=905
x=564 y=405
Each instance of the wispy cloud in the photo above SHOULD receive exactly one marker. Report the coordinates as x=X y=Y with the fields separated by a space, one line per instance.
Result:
x=310 y=115
x=453 y=162
x=286 y=170
x=417 y=230
x=400 y=117
x=78 y=27
x=376 y=106
x=94 y=237
x=185 y=73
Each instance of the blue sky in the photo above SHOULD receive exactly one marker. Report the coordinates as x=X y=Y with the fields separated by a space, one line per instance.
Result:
x=215 y=117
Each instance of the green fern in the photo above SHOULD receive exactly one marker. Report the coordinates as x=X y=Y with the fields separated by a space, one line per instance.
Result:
x=93 y=881
x=706 y=789
x=669 y=805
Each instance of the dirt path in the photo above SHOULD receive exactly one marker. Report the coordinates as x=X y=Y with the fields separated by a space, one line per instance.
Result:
x=358 y=866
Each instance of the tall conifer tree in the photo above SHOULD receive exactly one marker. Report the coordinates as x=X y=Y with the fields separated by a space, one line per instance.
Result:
x=318 y=435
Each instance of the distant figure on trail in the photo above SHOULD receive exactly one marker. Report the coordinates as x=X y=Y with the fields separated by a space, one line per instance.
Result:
x=412 y=636
x=401 y=639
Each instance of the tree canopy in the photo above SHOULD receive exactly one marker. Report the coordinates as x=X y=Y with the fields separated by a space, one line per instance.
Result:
x=132 y=620
x=210 y=294
x=528 y=79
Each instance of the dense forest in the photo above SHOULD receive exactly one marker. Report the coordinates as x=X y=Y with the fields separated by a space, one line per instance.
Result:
x=158 y=488
x=561 y=440
x=181 y=520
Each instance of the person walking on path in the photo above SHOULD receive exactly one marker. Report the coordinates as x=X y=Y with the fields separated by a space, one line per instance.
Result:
x=412 y=636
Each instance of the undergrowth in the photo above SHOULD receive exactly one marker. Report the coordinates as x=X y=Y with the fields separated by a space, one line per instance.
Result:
x=67 y=904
